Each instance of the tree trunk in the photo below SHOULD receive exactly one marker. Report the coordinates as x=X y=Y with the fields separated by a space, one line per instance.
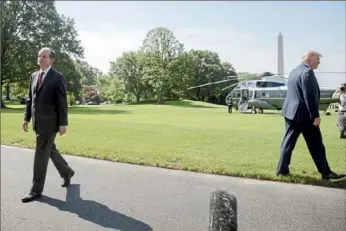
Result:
x=2 y=102
x=8 y=91
x=159 y=97
x=2 y=105
x=138 y=98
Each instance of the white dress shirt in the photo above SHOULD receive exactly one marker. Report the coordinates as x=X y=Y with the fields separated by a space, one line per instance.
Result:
x=45 y=72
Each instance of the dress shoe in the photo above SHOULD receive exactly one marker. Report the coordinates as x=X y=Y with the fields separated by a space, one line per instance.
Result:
x=332 y=176
x=283 y=174
x=67 y=180
x=30 y=197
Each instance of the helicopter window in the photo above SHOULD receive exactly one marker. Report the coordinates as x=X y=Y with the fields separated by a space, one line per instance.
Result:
x=245 y=93
x=268 y=84
x=236 y=94
x=250 y=84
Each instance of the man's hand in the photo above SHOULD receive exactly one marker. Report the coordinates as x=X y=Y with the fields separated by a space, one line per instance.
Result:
x=62 y=130
x=317 y=121
x=25 y=125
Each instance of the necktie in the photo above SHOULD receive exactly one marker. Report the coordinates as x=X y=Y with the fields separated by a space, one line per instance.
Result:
x=40 y=80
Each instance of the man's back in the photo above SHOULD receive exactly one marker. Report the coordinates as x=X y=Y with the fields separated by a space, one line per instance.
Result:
x=302 y=117
x=302 y=99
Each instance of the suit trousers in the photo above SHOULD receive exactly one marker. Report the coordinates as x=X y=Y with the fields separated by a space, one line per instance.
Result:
x=45 y=149
x=313 y=138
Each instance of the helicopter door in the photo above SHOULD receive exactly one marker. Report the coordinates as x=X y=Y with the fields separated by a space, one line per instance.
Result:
x=244 y=97
x=245 y=94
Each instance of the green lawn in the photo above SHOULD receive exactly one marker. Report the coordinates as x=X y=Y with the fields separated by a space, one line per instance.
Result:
x=184 y=135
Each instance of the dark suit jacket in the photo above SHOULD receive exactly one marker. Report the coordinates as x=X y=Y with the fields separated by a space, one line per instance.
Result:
x=303 y=95
x=47 y=106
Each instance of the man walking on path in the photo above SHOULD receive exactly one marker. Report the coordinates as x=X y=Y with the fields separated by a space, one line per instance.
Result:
x=47 y=108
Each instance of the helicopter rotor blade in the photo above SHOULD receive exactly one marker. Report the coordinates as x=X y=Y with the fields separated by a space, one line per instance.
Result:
x=229 y=78
x=207 y=84
x=235 y=84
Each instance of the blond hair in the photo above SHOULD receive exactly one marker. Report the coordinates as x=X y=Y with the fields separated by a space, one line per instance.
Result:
x=307 y=55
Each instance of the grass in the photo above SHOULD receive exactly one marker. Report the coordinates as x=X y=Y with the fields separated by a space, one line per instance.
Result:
x=185 y=135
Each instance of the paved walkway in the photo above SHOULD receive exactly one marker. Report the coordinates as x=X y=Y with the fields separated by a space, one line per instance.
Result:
x=113 y=196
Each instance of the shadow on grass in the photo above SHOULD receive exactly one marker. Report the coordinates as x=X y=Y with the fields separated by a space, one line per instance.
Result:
x=179 y=103
x=94 y=211
x=90 y=110
x=96 y=110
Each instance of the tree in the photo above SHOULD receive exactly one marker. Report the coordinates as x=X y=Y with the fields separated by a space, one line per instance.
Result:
x=207 y=68
x=89 y=74
x=89 y=93
x=110 y=87
x=182 y=73
x=228 y=69
x=27 y=26
x=129 y=68
x=160 y=47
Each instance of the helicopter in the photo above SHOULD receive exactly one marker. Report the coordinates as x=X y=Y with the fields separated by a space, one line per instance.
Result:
x=267 y=92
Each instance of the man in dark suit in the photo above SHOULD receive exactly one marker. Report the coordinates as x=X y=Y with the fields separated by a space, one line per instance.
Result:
x=301 y=113
x=47 y=107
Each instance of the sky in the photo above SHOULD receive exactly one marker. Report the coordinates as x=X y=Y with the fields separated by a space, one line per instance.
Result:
x=242 y=33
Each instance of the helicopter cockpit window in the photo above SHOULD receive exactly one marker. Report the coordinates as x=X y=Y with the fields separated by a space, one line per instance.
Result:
x=242 y=84
x=235 y=94
x=250 y=84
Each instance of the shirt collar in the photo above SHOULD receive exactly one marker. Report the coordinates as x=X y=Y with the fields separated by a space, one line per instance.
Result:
x=46 y=70
x=307 y=65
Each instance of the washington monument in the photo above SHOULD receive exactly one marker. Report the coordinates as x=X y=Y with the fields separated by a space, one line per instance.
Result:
x=280 y=55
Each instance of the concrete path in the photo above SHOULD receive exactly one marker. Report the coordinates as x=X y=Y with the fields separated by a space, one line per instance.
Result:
x=113 y=196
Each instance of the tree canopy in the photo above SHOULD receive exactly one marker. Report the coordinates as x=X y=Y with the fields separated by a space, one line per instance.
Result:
x=161 y=68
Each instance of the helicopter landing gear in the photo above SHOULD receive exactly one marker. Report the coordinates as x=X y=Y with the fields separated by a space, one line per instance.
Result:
x=327 y=113
x=255 y=110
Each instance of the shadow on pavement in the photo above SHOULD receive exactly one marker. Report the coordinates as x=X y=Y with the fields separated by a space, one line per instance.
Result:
x=94 y=212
